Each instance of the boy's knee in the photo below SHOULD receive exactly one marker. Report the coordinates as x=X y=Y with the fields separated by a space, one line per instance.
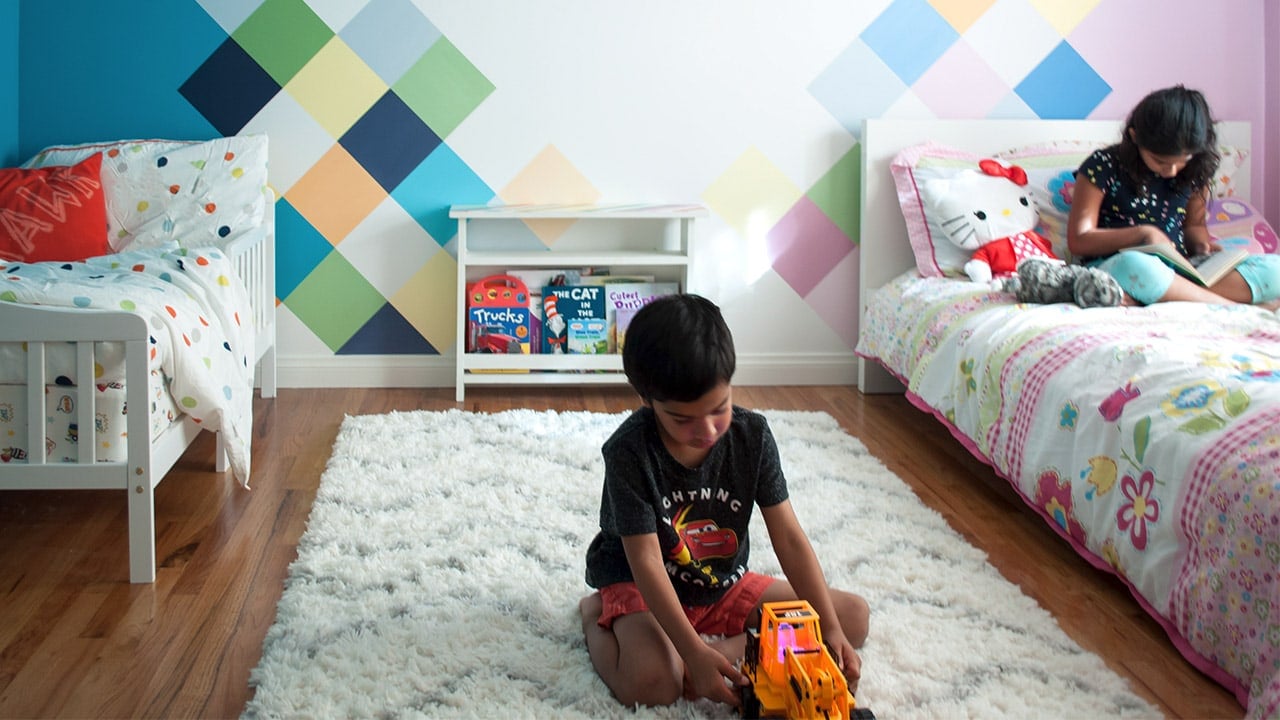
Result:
x=855 y=617
x=652 y=685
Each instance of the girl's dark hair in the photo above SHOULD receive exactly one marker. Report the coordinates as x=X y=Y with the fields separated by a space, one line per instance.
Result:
x=678 y=348
x=1172 y=121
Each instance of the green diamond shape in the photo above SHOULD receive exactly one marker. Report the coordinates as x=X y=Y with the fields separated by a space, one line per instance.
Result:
x=281 y=36
x=443 y=87
x=334 y=301
x=838 y=193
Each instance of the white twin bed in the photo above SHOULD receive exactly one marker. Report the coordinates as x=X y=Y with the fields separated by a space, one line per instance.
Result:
x=1149 y=438
x=111 y=366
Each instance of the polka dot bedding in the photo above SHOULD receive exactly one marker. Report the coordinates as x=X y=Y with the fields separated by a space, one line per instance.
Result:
x=198 y=311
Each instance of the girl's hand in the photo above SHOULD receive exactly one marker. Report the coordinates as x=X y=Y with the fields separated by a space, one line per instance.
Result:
x=1196 y=246
x=705 y=676
x=1152 y=235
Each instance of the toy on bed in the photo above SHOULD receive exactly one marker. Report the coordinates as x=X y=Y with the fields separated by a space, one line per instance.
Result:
x=988 y=211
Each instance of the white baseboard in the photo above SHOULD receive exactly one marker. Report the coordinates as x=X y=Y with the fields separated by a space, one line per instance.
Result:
x=379 y=371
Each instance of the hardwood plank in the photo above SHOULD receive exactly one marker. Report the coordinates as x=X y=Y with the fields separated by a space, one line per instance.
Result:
x=77 y=640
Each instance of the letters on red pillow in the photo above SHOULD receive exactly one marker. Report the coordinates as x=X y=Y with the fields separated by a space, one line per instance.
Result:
x=53 y=213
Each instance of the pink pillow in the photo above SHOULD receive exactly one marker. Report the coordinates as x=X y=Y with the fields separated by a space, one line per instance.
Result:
x=53 y=213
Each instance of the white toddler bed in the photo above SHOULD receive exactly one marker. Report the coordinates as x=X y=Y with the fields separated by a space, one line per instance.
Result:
x=1147 y=437
x=111 y=366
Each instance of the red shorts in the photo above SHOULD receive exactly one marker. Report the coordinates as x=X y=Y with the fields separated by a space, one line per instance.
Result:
x=726 y=616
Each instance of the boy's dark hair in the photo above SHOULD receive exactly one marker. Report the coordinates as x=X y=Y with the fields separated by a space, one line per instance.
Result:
x=678 y=348
x=1172 y=121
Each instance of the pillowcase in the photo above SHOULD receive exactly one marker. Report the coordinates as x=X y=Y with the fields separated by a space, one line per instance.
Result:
x=1051 y=175
x=194 y=193
x=1236 y=223
x=912 y=169
x=1230 y=165
x=56 y=213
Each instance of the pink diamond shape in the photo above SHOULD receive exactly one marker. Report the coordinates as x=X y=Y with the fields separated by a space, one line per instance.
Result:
x=805 y=245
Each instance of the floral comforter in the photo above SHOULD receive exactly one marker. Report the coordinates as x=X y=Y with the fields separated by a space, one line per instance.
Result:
x=202 y=339
x=1149 y=437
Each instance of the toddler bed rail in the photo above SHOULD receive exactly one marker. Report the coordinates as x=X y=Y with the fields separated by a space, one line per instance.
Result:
x=146 y=462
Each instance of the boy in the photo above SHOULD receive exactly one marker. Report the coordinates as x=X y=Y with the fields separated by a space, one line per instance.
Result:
x=682 y=474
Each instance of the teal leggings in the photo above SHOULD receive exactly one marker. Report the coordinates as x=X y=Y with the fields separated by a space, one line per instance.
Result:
x=1146 y=278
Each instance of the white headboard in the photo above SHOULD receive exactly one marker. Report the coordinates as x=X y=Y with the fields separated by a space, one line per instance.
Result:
x=884 y=251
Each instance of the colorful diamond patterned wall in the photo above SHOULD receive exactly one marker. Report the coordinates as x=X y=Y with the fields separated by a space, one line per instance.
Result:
x=362 y=158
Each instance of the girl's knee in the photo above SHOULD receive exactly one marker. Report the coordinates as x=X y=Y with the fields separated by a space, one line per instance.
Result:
x=1143 y=277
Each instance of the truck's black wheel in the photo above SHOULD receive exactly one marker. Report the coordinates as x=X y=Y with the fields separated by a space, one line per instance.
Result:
x=750 y=703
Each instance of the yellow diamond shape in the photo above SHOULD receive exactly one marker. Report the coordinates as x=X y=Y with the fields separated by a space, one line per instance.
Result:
x=429 y=300
x=549 y=178
x=960 y=14
x=1064 y=15
x=752 y=195
x=336 y=87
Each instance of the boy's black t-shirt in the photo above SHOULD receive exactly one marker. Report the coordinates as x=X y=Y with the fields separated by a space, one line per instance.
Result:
x=701 y=516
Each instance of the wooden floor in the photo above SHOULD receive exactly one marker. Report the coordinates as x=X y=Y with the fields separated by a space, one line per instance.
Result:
x=77 y=640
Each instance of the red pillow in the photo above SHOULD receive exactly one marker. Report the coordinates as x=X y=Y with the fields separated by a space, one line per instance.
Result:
x=53 y=213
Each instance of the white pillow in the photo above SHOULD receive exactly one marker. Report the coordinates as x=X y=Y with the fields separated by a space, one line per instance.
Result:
x=194 y=193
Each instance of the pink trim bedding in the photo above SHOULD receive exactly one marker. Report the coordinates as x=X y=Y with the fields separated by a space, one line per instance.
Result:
x=1148 y=437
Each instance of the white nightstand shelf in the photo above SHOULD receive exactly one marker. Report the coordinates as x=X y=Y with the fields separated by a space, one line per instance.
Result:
x=668 y=256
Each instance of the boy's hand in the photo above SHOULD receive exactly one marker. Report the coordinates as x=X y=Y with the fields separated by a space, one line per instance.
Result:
x=705 y=676
x=847 y=659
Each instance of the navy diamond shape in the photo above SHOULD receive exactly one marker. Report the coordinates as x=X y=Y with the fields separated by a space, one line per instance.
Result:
x=229 y=88
x=389 y=141
x=387 y=333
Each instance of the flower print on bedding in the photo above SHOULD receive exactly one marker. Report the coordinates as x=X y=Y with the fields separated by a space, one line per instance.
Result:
x=199 y=315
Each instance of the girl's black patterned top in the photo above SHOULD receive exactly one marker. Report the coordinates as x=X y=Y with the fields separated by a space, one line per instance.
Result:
x=1124 y=204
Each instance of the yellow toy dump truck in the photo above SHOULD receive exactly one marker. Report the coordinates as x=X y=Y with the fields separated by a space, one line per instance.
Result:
x=793 y=675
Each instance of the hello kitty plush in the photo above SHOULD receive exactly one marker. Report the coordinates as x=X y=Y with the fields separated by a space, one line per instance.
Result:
x=989 y=211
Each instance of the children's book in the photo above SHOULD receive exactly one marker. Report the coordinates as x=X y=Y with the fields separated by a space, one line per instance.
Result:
x=622 y=300
x=1206 y=270
x=573 y=320
x=498 y=316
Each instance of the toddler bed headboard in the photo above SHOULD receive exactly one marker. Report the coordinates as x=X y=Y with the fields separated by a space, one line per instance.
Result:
x=885 y=251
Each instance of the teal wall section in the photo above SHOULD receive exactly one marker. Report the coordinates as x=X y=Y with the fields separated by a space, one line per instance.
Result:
x=95 y=70
x=8 y=82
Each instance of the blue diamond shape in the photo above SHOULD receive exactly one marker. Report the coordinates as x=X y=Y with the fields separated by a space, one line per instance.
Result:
x=855 y=86
x=387 y=333
x=229 y=88
x=368 y=32
x=1063 y=86
x=441 y=180
x=299 y=248
x=389 y=141
x=909 y=36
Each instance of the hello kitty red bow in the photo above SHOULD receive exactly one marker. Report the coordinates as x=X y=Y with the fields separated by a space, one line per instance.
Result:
x=995 y=169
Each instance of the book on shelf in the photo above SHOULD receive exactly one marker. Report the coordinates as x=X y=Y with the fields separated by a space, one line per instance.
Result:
x=573 y=320
x=537 y=278
x=1205 y=270
x=622 y=300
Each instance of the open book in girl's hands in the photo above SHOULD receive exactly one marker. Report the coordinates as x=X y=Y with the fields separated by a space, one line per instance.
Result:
x=1206 y=270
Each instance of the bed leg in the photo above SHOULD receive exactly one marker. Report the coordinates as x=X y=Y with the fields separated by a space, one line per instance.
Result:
x=220 y=454
x=267 y=373
x=142 y=529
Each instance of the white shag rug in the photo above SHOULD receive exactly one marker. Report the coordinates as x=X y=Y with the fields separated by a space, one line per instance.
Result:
x=441 y=568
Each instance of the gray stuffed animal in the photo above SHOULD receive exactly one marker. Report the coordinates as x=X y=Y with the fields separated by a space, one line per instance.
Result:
x=1047 y=280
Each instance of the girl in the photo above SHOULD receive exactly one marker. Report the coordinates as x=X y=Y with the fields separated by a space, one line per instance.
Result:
x=1153 y=187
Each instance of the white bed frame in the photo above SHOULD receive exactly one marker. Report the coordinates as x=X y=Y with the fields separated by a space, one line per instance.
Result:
x=885 y=252
x=147 y=461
